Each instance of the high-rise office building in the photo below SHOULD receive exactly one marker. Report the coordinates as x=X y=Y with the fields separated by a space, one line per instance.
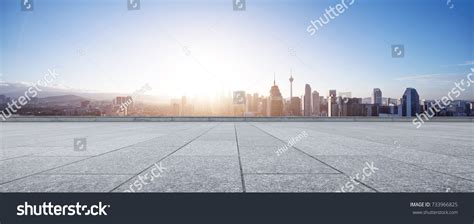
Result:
x=410 y=103
x=175 y=109
x=291 y=87
x=333 y=110
x=471 y=108
x=307 y=101
x=332 y=104
x=255 y=100
x=275 y=101
x=332 y=93
x=263 y=107
x=391 y=101
x=323 y=109
x=295 y=106
x=377 y=97
x=351 y=107
x=240 y=102
x=316 y=103
x=248 y=103
x=184 y=106
x=124 y=104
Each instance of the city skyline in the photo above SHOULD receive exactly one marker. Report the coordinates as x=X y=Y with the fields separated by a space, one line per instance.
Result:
x=210 y=49
x=241 y=103
x=14 y=89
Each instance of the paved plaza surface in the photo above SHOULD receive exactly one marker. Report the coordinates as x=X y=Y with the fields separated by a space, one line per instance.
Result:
x=236 y=157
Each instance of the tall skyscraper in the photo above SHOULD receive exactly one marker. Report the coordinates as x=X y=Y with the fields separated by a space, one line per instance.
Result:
x=295 y=106
x=275 y=101
x=332 y=93
x=175 y=109
x=291 y=87
x=316 y=103
x=248 y=103
x=410 y=103
x=352 y=107
x=307 y=101
x=183 y=106
x=240 y=101
x=291 y=93
x=255 y=100
x=377 y=97
x=123 y=105
x=332 y=104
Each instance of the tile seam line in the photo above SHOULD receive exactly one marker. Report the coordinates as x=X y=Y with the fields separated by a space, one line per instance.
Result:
x=77 y=161
x=404 y=162
x=32 y=145
x=36 y=154
x=62 y=135
x=420 y=167
x=164 y=157
x=294 y=174
x=407 y=163
x=240 y=160
x=385 y=144
x=305 y=153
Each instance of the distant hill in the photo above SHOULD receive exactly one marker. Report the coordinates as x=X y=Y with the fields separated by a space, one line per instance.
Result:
x=61 y=94
x=64 y=99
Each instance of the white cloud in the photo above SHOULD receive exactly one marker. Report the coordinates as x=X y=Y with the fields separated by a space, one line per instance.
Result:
x=466 y=63
x=424 y=77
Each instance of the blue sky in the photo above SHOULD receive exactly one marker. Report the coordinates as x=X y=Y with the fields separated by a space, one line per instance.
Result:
x=204 y=47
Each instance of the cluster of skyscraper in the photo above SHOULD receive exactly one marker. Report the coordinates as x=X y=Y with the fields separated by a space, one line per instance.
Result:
x=336 y=104
x=312 y=104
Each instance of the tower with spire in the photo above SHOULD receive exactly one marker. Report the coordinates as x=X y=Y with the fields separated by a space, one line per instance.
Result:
x=275 y=101
x=291 y=84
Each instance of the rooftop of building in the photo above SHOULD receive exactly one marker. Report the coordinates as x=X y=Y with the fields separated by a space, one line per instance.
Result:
x=236 y=156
